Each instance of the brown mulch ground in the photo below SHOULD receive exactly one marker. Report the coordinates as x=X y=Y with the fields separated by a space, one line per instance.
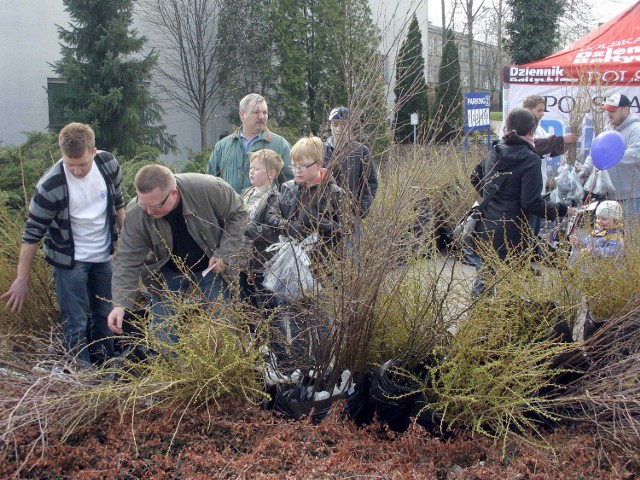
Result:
x=242 y=441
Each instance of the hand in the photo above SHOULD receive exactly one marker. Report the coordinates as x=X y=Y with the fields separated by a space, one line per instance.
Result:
x=570 y=138
x=217 y=265
x=17 y=293
x=571 y=211
x=574 y=240
x=115 y=319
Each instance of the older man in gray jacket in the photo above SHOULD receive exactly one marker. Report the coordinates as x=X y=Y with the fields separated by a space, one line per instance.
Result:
x=625 y=175
x=182 y=229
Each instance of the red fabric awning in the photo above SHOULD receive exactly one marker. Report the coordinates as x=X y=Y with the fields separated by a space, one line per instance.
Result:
x=610 y=54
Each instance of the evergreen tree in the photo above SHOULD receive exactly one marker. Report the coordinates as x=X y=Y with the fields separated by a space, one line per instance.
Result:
x=305 y=56
x=105 y=77
x=447 y=121
x=290 y=38
x=343 y=43
x=325 y=42
x=532 y=32
x=365 y=80
x=247 y=62
x=411 y=85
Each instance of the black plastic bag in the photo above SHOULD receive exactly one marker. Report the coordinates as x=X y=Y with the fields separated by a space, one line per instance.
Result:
x=397 y=404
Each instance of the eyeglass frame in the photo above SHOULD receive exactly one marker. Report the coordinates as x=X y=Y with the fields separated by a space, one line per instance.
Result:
x=301 y=166
x=155 y=207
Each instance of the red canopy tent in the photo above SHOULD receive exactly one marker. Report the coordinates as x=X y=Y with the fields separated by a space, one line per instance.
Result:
x=603 y=62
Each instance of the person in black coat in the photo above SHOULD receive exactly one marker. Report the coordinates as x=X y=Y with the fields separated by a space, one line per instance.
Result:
x=504 y=221
x=311 y=202
x=350 y=163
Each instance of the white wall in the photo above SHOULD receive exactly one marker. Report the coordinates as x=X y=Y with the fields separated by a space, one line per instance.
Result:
x=393 y=19
x=28 y=41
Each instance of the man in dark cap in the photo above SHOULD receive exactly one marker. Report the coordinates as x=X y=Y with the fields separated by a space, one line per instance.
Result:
x=350 y=162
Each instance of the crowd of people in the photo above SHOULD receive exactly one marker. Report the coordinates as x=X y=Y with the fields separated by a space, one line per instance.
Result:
x=211 y=230
x=514 y=174
x=185 y=229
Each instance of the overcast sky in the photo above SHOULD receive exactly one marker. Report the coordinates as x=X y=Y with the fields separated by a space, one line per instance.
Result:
x=603 y=10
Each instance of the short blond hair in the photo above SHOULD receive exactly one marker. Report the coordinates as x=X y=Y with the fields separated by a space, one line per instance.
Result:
x=75 y=139
x=270 y=159
x=310 y=147
x=151 y=177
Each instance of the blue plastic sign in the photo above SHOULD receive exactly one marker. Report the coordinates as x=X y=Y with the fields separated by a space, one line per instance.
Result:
x=476 y=115
x=476 y=108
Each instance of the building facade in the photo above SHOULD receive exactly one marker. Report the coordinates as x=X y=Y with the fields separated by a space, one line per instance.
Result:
x=29 y=45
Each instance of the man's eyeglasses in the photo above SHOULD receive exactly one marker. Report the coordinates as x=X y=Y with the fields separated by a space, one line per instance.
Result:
x=302 y=166
x=154 y=207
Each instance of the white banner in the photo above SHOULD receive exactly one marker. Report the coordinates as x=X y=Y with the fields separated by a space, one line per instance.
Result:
x=561 y=101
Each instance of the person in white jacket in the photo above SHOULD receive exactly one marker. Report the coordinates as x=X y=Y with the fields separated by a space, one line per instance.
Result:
x=625 y=175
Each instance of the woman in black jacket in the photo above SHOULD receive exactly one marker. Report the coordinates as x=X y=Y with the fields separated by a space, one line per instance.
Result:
x=514 y=166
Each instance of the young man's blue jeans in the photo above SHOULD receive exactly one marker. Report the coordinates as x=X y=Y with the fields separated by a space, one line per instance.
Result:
x=162 y=308
x=87 y=284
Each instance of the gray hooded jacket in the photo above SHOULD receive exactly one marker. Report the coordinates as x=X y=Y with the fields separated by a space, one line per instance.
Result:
x=625 y=176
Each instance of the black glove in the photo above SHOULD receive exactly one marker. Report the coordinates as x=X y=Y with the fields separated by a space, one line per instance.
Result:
x=562 y=209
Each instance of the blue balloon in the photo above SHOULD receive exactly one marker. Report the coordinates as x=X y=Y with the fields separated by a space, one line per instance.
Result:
x=607 y=149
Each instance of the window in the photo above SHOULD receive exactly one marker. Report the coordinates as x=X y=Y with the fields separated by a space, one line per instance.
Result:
x=56 y=91
x=431 y=75
x=434 y=46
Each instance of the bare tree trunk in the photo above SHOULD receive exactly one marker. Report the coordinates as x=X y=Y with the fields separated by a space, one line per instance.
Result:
x=203 y=122
x=444 y=22
x=499 y=13
x=189 y=55
x=471 y=15
x=472 y=76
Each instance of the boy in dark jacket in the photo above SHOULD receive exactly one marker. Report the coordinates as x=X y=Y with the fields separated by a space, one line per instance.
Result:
x=311 y=202
x=265 y=166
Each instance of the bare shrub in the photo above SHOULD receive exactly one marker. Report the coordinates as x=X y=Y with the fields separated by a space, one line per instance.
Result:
x=608 y=394
x=586 y=88
x=40 y=312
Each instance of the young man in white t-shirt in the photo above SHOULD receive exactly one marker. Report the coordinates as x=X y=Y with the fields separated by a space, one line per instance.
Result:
x=78 y=209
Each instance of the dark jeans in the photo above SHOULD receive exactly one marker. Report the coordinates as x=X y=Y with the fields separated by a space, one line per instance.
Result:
x=479 y=286
x=212 y=287
x=86 y=284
